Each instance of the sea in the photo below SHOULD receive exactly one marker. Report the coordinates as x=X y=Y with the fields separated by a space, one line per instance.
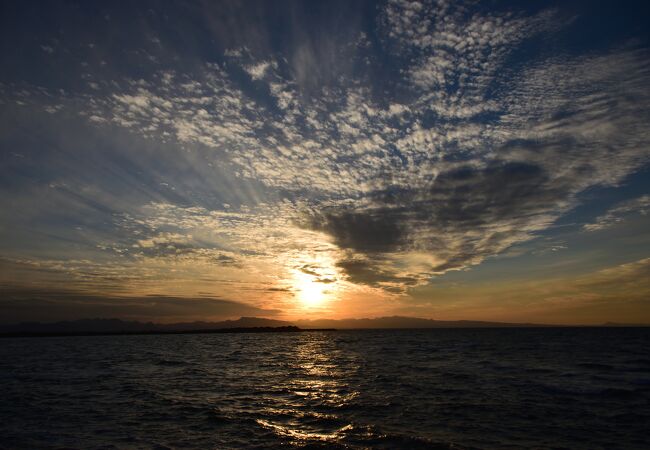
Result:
x=542 y=388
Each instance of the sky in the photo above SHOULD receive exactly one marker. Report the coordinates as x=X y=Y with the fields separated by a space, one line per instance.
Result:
x=204 y=160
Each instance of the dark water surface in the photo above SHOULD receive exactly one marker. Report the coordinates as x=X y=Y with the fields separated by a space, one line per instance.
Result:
x=445 y=388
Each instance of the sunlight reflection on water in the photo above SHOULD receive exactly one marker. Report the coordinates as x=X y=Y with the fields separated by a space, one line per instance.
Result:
x=317 y=383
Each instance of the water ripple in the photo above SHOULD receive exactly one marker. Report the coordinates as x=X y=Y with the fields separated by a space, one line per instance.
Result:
x=440 y=389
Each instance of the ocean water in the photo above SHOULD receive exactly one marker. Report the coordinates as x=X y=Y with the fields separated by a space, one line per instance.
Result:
x=444 y=388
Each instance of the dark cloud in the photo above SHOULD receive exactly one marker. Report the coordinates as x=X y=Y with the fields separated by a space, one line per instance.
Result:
x=467 y=213
x=368 y=272
x=308 y=270
x=374 y=230
x=325 y=280
x=278 y=289
x=470 y=197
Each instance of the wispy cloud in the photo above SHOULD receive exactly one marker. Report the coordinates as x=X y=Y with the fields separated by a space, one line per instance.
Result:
x=619 y=213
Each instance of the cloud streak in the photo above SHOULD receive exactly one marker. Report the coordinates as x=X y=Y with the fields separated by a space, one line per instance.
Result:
x=618 y=213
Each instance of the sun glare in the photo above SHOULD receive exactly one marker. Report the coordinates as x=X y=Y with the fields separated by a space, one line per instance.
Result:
x=310 y=292
x=314 y=279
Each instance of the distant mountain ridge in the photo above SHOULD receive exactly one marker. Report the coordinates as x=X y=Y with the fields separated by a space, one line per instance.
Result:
x=124 y=326
x=405 y=322
x=393 y=322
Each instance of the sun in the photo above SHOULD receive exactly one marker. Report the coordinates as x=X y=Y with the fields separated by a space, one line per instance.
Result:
x=310 y=292
x=314 y=280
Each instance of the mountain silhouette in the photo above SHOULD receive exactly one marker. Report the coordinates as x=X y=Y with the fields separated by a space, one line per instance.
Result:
x=99 y=326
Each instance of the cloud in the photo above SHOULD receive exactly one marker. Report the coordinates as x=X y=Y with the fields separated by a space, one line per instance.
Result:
x=363 y=271
x=618 y=214
x=465 y=215
x=257 y=71
x=369 y=231
x=632 y=276
x=164 y=240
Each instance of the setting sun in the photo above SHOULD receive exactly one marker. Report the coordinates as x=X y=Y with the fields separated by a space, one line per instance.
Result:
x=310 y=292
